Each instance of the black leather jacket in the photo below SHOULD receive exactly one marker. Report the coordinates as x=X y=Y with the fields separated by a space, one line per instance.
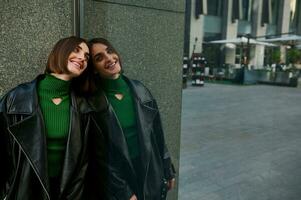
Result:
x=23 y=152
x=156 y=162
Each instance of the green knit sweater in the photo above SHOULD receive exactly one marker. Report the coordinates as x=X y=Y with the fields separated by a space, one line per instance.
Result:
x=125 y=111
x=56 y=118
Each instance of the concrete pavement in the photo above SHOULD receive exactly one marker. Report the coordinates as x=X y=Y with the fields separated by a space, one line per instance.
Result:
x=240 y=143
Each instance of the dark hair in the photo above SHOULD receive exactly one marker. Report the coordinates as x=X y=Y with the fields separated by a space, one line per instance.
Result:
x=95 y=80
x=102 y=41
x=58 y=57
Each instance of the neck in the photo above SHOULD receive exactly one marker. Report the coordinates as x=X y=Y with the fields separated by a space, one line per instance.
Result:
x=64 y=77
x=116 y=76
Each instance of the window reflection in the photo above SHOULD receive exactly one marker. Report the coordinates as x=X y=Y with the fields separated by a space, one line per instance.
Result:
x=247 y=9
x=293 y=15
x=215 y=7
x=275 y=8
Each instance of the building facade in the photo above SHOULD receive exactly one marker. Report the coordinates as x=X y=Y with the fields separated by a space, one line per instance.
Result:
x=257 y=19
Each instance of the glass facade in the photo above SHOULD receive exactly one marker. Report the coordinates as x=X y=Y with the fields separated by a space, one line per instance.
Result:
x=275 y=11
x=294 y=12
x=212 y=53
x=247 y=10
x=215 y=7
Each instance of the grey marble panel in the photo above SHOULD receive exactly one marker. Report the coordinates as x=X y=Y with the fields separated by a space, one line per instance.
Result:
x=28 y=32
x=150 y=42
x=171 y=5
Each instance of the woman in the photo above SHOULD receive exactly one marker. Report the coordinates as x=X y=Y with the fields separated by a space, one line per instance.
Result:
x=43 y=131
x=139 y=165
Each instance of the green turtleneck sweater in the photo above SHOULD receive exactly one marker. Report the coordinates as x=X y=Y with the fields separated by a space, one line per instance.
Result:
x=125 y=111
x=56 y=118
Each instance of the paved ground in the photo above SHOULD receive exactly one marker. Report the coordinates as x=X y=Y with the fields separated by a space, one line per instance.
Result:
x=240 y=143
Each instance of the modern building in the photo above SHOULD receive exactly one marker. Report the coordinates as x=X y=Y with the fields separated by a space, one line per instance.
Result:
x=208 y=20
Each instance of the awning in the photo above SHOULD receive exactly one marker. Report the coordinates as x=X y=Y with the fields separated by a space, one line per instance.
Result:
x=284 y=38
x=242 y=40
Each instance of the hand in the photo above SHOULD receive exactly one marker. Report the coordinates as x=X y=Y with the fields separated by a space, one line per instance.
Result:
x=133 y=197
x=171 y=184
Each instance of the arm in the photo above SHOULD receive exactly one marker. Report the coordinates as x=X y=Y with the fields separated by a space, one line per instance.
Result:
x=146 y=96
x=169 y=170
x=4 y=173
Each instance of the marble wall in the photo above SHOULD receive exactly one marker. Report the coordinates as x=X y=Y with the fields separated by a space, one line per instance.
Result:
x=28 y=32
x=149 y=35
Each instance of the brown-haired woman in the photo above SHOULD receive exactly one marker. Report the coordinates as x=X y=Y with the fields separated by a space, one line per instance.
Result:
x=139 y=165
x=43 y=130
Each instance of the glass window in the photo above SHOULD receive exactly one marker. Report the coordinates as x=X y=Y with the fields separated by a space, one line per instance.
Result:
x=247 y=10
x=215 y=7
x=275 y=10
x=294 y=15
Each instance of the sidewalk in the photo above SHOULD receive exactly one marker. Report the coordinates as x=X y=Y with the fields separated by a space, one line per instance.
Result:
x=240 y=143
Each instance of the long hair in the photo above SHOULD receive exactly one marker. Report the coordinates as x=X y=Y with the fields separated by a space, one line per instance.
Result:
x=94 y=79
x=58 y=62
x=58 y=57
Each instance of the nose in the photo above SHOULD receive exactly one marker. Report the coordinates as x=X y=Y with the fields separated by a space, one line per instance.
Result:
x=82 y=56
x=109 y=57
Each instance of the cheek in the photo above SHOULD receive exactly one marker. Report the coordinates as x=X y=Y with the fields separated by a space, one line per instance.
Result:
x=85 y=65
x=99 y=67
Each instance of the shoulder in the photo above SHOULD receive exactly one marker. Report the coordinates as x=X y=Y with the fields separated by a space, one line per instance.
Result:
x=22 y=89
x=20 y=98
x=139 y=89
x=18 y=94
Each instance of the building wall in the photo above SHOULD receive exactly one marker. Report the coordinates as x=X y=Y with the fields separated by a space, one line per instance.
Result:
x=257 y=52
x=196 y=31
x=149 y=36
x=229 y=31
x=283 y=23
x=28 y=32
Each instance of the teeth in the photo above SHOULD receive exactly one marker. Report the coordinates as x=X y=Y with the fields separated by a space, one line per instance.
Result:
x=112 y=64
x=76 y=63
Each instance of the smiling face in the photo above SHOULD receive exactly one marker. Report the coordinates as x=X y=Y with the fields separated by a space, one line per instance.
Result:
x=68 y=58
x=77 y=60
x=106 y=62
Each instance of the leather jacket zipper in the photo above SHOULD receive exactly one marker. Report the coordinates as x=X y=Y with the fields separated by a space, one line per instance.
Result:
x=31 y=164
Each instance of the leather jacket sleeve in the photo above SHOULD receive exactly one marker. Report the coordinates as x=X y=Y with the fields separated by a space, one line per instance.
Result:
x=116 y=181
x=3 y=151
x=169 y=170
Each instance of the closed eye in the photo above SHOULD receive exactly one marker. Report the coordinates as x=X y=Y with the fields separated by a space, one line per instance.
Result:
x=87 y=56
x=98 y=57
x=77 y=49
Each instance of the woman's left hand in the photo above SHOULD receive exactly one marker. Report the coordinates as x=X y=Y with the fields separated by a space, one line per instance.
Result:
x=171 y=184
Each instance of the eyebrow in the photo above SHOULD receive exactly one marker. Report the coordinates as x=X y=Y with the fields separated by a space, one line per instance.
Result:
x=86 y=53
x=97 y=55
